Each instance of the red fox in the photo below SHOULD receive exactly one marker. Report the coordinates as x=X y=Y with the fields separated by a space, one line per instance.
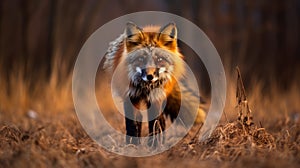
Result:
x=150 y=60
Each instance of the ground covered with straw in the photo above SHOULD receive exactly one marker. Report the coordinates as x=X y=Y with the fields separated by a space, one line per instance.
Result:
x=56 y=139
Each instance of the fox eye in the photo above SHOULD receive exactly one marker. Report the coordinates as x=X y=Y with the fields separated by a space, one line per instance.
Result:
x=141 y=59
x=160 y=59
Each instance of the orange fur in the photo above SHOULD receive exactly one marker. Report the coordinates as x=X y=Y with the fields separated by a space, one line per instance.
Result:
x=148 y=36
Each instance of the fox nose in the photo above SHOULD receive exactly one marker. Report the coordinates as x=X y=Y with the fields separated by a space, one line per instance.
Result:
x=149 y=77
x=149 y=74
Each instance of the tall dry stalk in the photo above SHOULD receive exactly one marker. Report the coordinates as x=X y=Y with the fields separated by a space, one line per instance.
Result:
x=245 y=114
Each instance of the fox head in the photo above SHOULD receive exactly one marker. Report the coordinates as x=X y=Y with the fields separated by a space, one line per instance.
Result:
x=151 y=53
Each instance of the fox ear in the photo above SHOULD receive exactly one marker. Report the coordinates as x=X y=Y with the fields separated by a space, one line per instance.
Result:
x=133 y=33
x=168 y=35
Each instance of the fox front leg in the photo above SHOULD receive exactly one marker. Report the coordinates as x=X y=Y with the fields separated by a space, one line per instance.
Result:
x=133 y=123
x=156 y=124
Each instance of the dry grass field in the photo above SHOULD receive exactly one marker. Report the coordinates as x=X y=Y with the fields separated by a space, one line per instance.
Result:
x=39 y=128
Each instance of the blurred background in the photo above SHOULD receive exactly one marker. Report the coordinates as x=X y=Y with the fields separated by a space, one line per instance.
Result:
x=40 y=40
x=39 y=43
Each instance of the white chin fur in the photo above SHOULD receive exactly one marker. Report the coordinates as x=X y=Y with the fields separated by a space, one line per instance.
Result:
x=145 y=78
x=154 y=79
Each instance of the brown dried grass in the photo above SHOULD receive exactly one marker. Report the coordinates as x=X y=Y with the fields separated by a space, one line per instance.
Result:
x=55 y=138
